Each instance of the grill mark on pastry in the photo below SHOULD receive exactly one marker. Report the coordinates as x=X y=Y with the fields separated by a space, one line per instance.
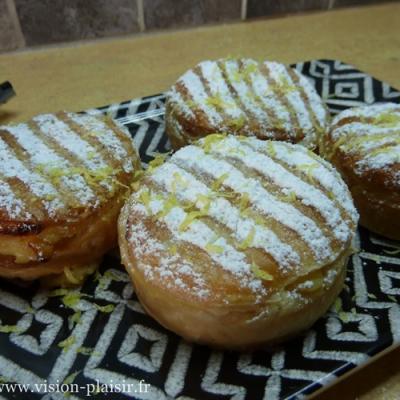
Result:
x=91 y=139
x=20 y=188
x=93 y=161
x=211 y=220
x=370 y=135
x=285 y=181
x=196 y=111
x=199 y=234
x=248 y=115
x=259 y=197
x=50 y=125
x=68 y=156
x=310 y=179
x=196 y=90
x=12 y=201
x=273 y=84
x=278 y=192
x=268 y=115
x=11 y=166
x=176 y=97
x=274 y=228
x=226 y=213
x=284 y=195
x=305 y=97
x=273 y=104
x=280 y=74
x=322 y=177
x=20 y=152
x=222 y=110
x=50 y=178
x=178 y=266
x=110 y=139
x=217 y=86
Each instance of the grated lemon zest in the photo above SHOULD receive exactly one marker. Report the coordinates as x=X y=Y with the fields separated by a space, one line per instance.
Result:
x=75 y=317
x=210 y=140
x=218 y=102
x=248 y=241
x=173 y=249
x=213 y=248
x=190 y=217
x=106 y=309
x=284 y=85
x=70 y=378
x=270 y=149
x=387 y=119
x=168 y=205
x=71 y=277
x=392 y=252
x=10 y=329
x=145 y=198
x=67 y=343
x=261 y=274
x=157 y=161
x=244 y=201
x=215 y=186
x=308 y=169
x=238 y=123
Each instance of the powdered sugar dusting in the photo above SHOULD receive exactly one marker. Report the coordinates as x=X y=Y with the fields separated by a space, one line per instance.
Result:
x=323 y=172
x=289 y=183
x=106 y=136
x=279 y=73
x=44 y=158
x=14 y=207
x=242 y=89
x=11 y=167
x=51 y=126
x=61 y=177
x=195 y=87
x=319 y=110
x=373 y=138
x=218 y=87
x=199 y=234
x=246 y=96
x=170 y=266
x=188 y=188
x=261 y=199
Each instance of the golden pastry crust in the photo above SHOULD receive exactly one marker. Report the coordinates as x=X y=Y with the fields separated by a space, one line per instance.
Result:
x=364 y=145
x=236 y=242
x=63 y=179
x=243 y=97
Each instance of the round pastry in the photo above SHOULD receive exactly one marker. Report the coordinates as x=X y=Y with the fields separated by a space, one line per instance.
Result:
x=63 y=180
x=243 y=97
x=364 y=145
x=237 y=242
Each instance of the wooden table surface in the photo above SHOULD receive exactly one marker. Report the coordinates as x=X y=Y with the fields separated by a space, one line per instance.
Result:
x=79 y=76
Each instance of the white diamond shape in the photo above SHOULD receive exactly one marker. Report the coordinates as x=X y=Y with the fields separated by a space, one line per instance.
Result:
x=41 y=345
x=349 y=90
x=386 y=279
x=367 y=331
x=127 y=355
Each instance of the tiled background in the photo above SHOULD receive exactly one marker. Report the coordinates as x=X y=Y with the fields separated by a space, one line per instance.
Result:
x=25 y=23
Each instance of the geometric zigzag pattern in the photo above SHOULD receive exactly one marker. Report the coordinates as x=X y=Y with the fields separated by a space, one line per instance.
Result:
x=115 y=341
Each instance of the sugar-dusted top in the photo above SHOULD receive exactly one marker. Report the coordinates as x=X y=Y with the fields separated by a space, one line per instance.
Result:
x=370 y=134
x=58 y=164
x=259 y=210
x=242 y=96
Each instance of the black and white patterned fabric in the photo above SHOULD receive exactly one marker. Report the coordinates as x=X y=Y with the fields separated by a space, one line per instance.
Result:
x=114 y=341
